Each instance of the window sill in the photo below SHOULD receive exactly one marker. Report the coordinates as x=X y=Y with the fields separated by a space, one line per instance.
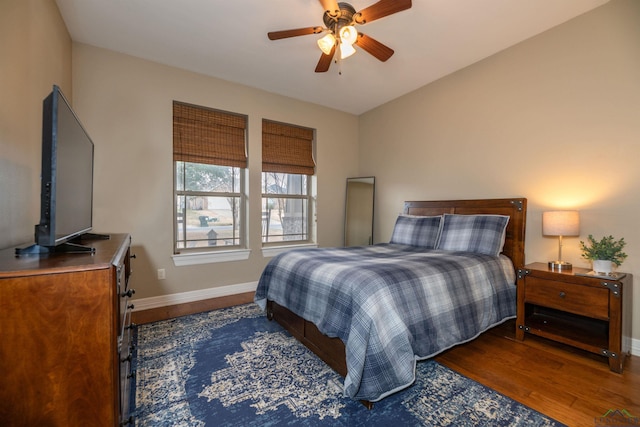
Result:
x=181 y=260
x=271 y=251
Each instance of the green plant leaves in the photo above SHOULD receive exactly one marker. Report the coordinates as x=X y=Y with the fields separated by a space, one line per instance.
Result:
x=607 y=248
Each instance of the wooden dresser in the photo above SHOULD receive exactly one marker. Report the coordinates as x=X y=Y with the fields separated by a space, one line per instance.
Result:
x=65 y=336
x=590 y=313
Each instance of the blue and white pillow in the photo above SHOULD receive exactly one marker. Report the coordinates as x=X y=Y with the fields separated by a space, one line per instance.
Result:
x=484 y=234
x=420 y=231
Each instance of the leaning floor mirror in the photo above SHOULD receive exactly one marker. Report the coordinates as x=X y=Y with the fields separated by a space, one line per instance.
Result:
x=358 y=225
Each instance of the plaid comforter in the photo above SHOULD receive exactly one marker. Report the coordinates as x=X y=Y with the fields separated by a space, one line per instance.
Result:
x=391 y=304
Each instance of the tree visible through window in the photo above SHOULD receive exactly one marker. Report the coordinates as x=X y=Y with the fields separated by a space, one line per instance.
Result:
x=285 y=207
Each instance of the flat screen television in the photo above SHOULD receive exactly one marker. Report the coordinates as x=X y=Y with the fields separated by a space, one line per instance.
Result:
x=66 y=197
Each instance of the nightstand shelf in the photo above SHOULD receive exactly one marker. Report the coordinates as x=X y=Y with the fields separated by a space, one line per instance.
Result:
x=578 y=331
x=592 y=314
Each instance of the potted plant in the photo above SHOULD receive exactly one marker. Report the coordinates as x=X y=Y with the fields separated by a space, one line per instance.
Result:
x=603 y=253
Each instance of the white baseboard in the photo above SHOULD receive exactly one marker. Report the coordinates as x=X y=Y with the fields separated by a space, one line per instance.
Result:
x=192 y=296
x=223 y=291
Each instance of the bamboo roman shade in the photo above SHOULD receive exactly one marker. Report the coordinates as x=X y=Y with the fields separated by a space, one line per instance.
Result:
x=287 y=148
x=203 y=135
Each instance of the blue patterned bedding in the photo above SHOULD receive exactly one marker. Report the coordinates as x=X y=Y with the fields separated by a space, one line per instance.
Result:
x=391 y=304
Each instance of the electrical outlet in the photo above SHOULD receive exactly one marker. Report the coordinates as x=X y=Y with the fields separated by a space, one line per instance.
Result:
x=161 y=274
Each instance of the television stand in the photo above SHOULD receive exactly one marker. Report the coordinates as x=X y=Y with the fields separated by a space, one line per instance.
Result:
x=90 y=236
x=66 y=248
x=66 y=337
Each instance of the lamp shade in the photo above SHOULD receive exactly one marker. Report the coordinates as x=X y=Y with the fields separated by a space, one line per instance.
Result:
x=346 y=50
x=348 y=34
x=326 y=43
x=561 y=223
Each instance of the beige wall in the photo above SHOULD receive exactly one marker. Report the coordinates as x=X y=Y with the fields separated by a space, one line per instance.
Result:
x=555 y=119
x=35 y=53
x=125 y=104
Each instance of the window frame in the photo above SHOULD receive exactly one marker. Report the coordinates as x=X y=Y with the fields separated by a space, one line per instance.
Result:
x=289 y=149
x=198 y=128
x=242 y=205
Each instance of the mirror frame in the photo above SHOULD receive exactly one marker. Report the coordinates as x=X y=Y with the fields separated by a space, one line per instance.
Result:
x=364 y=208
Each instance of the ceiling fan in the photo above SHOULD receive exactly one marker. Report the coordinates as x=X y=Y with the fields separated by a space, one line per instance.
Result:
x=340 y=20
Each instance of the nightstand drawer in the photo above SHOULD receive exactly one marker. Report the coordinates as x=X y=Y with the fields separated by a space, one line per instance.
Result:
x=569 y=297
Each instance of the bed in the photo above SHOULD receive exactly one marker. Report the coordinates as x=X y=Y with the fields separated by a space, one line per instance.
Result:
x=372 y=312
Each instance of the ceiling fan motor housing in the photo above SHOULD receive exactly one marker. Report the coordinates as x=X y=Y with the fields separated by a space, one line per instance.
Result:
x=343 y=19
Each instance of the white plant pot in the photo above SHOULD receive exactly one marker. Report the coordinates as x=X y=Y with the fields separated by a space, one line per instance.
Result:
x=602 y=266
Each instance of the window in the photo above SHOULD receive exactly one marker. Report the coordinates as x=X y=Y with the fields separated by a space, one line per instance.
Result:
x=287 y=170
x=209 y=168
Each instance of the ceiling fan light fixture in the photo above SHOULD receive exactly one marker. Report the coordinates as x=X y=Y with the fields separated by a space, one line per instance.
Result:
x=346 y=50
x=326 y=43
x=348 y=34
x=340 y=19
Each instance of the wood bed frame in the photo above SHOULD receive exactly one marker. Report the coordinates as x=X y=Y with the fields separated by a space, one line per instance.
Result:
x=332 y=350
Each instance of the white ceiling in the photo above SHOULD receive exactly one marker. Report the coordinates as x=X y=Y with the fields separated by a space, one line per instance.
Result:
x=228 y=40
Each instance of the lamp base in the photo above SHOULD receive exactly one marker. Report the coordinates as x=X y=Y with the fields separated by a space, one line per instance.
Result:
x=560 y=266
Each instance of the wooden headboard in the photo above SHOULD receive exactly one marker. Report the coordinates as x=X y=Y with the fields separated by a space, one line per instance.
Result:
x=516 y=209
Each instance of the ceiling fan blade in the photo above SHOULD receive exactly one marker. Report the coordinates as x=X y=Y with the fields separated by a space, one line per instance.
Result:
x=374 y=47
x=330 y=6
x=325 y=61
x=380 y=10
x=277 y=35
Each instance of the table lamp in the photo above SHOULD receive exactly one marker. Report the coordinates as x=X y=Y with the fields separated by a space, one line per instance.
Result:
x=560 y=223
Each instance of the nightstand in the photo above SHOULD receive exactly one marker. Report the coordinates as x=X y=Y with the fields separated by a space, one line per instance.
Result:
x=589 y=313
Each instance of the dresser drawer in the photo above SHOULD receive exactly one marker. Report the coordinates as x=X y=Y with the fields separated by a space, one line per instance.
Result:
x=573 y=298
x=127 y=376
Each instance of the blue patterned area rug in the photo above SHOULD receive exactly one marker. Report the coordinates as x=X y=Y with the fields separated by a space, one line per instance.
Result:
x=233 y=367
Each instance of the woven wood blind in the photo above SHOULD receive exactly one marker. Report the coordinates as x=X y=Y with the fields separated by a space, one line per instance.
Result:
x=287 y=148
x=203 y=135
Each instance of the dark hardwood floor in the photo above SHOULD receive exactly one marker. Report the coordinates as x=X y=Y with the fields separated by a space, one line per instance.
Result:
x=169 y=312
x=569 y=385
